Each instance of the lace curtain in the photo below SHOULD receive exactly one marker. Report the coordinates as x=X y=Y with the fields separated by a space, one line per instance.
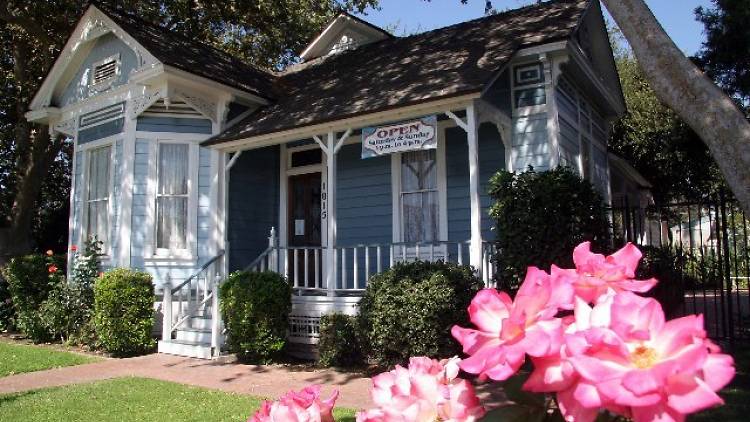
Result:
x=98 y=194
x=172 y=197
x=419 y=196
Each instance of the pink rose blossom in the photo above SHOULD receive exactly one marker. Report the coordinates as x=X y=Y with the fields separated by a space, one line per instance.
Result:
x=621 y=355
x=596 y=274
x=508 y=330
x=302 y=406
x=427 y=390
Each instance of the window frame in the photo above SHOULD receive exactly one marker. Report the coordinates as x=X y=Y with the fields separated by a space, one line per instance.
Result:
x=86 y=149
x=190 y=253
x=397 y=206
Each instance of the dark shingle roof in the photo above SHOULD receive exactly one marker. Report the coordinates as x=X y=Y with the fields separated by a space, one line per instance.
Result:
x=396 y=72
x=192 y=56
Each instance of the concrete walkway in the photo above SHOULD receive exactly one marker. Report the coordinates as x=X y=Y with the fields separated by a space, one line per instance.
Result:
x=262 y=381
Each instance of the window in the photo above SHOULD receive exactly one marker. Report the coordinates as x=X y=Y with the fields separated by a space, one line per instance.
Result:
x=529 y=90
x=97 y=197
x=419 y=196
x=105 y=71
x=172 y=197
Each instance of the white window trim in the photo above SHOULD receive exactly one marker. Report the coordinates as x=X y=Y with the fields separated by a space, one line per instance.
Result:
x=528 y=110
x=442 y=183
x=85 y=149
x=152 y=253
x=109 y=81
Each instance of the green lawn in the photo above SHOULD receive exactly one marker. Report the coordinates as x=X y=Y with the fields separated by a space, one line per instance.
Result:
x=132 y=399
x=18 y=358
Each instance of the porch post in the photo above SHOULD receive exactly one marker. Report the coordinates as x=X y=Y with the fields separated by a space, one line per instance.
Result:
x=331 y=207
x=475 y=245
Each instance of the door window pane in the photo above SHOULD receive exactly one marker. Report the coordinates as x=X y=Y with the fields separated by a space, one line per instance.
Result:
x=172 y=197
x=419 y=196
x=97 y=200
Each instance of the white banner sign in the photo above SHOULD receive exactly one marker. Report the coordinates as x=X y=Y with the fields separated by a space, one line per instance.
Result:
x=407 y=136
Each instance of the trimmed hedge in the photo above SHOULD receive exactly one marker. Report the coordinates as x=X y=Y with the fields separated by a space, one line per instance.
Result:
x=30 y=280
x=124 y=312
x=339 y=343
x=255 y=307
x=409 y=310
x=540 y=217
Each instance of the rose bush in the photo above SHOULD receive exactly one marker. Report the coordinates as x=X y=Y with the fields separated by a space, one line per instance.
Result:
x=614 y=356
x=302 y=406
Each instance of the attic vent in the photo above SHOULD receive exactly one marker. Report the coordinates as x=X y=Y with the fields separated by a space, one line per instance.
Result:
x=101 y=116
x=105 y=71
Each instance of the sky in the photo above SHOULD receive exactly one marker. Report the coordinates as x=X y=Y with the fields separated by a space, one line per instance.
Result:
x=410 y=16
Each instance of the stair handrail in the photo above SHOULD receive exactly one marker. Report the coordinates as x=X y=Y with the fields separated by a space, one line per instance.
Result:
x=203 y=268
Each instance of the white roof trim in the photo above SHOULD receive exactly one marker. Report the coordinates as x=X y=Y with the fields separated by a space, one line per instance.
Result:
x=323 y=42
x=93 y=24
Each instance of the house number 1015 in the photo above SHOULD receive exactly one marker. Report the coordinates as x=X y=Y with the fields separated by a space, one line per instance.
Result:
x=324 y=201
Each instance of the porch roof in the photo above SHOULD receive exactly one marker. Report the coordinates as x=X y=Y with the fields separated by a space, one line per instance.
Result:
x=398 y=72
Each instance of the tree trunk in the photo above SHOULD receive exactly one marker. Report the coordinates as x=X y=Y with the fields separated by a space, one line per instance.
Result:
x=686 y=90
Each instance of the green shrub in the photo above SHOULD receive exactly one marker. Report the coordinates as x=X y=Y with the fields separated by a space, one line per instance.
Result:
x=68 y=312
x=540 y=218
x=123 y=312
x=255 y=308
x=409 y=310
x=666 y=265
x=339 y=341
x=6 y=306
x=30 y=280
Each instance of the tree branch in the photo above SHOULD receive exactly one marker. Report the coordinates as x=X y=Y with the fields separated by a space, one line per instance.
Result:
x=28 y=25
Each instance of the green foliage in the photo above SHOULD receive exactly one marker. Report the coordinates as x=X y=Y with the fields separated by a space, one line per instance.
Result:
x=339 y=343
x=255 y=307
x=6 y=306
x=30 y=280
x=123 y=312
x=409 y=310
x=540 y=218
x=87 y=265
x=724 y=56
x=666 y=265
x=656 y=141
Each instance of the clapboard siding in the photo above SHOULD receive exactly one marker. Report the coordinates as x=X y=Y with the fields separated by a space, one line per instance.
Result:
x=364 y=203
x=116 y=195
x=530 y=143
x=77 y=210
x=173 y=124
x=138 y=226
x=253 y=204
x=106 y=46
x=491 y=160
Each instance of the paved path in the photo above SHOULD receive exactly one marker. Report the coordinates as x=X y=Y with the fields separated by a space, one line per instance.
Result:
x=262 y=381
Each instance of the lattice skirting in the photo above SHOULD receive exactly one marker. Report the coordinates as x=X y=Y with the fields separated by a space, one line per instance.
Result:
x=304 y=320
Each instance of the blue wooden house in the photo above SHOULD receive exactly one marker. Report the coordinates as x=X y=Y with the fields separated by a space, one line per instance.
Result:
x=374 y=149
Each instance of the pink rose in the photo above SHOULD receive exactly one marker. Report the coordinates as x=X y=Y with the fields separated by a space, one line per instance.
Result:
x=596 y=274
x=427 y=390
x=508 y=330
x=302 y=406
x=623 y=356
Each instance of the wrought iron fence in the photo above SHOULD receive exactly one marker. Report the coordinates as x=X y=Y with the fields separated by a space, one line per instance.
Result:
x=710 y=257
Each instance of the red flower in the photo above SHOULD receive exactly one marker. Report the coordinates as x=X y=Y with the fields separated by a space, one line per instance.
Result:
x=50 y=253
x=74 y=248
x=52 y=269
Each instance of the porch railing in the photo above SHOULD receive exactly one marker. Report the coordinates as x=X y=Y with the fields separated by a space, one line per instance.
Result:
x=195 y=296
x=305 y=266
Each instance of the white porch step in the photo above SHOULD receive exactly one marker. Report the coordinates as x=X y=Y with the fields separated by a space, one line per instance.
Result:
x=189 y=349
x=200 y=322
x=197 y=335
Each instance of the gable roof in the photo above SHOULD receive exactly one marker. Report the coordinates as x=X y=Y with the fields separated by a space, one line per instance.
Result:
x=339 y=24
x=192 y=56
x=451 y=61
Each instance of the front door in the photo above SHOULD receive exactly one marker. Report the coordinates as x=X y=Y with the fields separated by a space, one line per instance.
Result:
x=304 y=229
